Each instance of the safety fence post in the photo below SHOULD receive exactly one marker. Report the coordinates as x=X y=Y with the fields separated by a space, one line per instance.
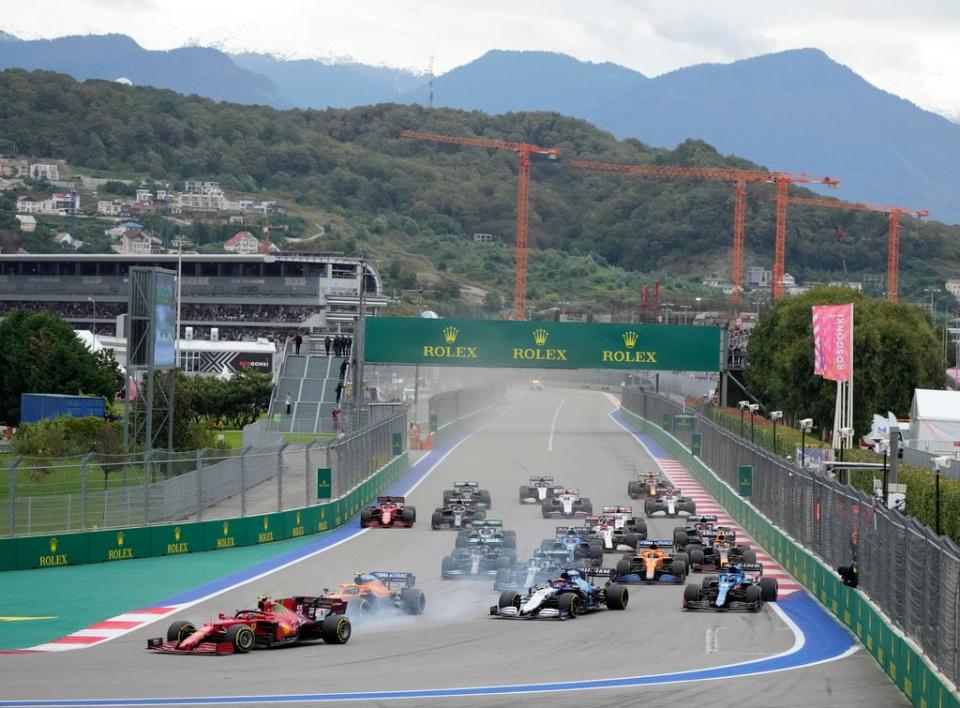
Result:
x=280 y=476
x=199 y=463
x=84 y=487
x=13 y=495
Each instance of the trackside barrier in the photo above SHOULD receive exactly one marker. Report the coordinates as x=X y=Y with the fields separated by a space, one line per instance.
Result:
x=897 y=655
x=27 y=552
x=458 y=411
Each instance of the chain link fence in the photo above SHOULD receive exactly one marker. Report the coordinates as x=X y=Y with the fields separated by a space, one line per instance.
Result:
x=909 y=572
x=39 y=496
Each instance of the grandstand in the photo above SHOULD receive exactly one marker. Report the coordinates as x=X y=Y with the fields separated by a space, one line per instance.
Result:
x=243 y=297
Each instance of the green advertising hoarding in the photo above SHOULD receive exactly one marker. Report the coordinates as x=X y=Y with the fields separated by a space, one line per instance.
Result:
x=551 y=345
x=745 y=480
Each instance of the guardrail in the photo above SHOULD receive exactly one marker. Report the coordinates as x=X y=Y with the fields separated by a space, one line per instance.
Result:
x=907 y=610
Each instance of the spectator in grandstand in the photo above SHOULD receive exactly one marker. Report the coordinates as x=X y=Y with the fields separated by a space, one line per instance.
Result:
x=327 y=343
x=335 y=413
x=337 y=345
x=298 y=340
x=289 y=402
x=339 y=391
x=343 y=369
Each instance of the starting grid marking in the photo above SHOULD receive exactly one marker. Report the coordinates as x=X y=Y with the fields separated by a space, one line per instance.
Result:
x=102 y=631
x=706 y=504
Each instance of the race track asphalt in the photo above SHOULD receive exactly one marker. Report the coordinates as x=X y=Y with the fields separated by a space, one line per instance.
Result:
x=564 y=432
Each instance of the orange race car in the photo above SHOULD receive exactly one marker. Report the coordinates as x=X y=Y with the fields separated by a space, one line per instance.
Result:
x=652 y=564
x=378 y=591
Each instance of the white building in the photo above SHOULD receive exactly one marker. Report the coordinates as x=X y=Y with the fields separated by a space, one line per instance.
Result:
x=110 y=207
x=65 y=240
x=140 y=243
x=200 y=201
x=243 y=242
x=64 y=203
x=199 y=187
x=29 y=205
x=28 y=223
x=953 y=287
x=41 y=170
x=144 y=196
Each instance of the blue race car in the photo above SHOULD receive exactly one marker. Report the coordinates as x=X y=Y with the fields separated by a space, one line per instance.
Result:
x=579 y=543
x=737 y=587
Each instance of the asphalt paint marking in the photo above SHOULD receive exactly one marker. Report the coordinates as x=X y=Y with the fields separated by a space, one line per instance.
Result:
x=24 y=619
x=822 y=642
x=553 y=425
x=712 y=640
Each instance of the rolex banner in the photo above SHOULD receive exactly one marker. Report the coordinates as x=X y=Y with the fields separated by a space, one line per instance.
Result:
x=833 y=342
x=550 y=345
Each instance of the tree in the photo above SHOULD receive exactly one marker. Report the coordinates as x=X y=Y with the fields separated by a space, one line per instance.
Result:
x=41 y=354
x=895 y=350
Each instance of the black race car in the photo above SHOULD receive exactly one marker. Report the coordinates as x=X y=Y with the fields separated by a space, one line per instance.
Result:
x=470 y=490
x=458 y=514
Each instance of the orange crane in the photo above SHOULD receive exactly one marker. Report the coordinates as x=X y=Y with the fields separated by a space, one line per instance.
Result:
x=893 y=231
x=740 y=179
x=523 y=150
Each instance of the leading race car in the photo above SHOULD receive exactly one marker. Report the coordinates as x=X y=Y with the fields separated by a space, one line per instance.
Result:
x=670 y=503
x=470 y=490
x=388 y=512
x=651 y=484
x=274 y=622
x=737 y=587
x=652 y=564
x=566 y=597
x=458 y=514
x=568 y=504
x=536 y=385
x=544 y=566
x=539 y=489
x=379 y=591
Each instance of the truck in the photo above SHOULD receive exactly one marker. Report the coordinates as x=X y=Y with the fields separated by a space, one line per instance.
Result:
x=43 y=406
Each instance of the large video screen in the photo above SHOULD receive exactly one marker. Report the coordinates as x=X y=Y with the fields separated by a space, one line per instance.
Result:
x=165 y=320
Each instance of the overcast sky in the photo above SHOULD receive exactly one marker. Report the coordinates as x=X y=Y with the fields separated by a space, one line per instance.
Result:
x=911 y=49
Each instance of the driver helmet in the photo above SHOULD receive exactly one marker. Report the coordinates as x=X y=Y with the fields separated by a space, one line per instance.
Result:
x=263 y=602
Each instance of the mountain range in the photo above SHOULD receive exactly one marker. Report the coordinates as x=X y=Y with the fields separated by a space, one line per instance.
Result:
x=795 y=111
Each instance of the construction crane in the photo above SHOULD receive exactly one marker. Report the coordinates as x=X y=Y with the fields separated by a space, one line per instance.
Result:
x=524 y=150
x=893 y=231
x=739 y=178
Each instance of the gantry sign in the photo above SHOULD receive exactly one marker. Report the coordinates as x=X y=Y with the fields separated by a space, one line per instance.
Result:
x=548 y=345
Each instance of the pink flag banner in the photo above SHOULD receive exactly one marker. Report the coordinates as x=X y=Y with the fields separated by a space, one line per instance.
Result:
x=833 y=342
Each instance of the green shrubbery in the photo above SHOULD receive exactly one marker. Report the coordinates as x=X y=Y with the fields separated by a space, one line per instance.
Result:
x=67 y=436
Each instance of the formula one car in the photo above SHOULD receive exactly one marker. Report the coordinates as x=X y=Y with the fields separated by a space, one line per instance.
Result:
x=458 y=514
x=567 y=597
x=613 y=537
x=388 y=512
x=470 y=490
x=567 y=503
x=652 y=564
x=379 y=591
x=670 y=503
x=536 y=385
x=539 y=489
x=274 y=622
x=579 y=544
x=488 y=531
x=697 y=528
x=544 y=566
x=737 y=587
x=478 y=560
x=651 y=484
x=711 y=547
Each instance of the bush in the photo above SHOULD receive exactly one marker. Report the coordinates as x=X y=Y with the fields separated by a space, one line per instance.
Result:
x=67 y=436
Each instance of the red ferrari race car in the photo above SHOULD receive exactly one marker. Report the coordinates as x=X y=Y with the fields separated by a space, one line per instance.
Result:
x=388 y=512
x=274 y=622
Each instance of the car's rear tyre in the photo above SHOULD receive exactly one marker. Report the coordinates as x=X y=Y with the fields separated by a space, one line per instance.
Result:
x=769 y=589
x=616 y=596
x=359 y=607
x=678 y=569
x=567 y=604
x=696 y=557
x=413 y=601
x=649 y=506
x=547 y=506
x=634 y=489
x=436 y=521
x=691 y=593
x=241 y=637
x=509 y=598
x=753 y=596
x=685 y=559
x=483 y=497
x=509 y=541
x=178 y=631
x=680 y=538
x=526 y=493
x=749 y=557
x=503 y=563
x=447 y=565
x=631 y=539
x=335 y=629
x=623 y=568
x=366 y=517
x=409 y=514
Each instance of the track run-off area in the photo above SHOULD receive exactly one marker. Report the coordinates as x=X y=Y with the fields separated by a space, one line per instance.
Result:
x=791 y=653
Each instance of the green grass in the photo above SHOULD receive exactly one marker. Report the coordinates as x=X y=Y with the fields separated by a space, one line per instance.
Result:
x=232 y=438
x=307 y=437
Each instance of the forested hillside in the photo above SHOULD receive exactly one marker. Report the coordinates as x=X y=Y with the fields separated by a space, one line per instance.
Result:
x=352 y=163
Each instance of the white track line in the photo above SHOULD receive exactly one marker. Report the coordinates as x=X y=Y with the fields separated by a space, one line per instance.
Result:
x=553 y=425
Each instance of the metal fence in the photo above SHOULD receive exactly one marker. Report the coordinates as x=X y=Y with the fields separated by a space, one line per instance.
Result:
x=99 y=491
x=454 y=409
x=909 y=572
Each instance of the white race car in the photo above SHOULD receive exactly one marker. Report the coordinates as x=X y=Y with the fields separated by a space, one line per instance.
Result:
x=568 y=504
x=617 y=528
x=539 y=489
x=671 y=503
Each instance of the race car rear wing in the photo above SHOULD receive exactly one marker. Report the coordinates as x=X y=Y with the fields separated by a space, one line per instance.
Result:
x=544 y=478
x=706 y=519
x=617 y=510
x=388 y=576
x=747 y=567
x=662 y=543
x=488 y=523
x=464 y=485
x=390 y=500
